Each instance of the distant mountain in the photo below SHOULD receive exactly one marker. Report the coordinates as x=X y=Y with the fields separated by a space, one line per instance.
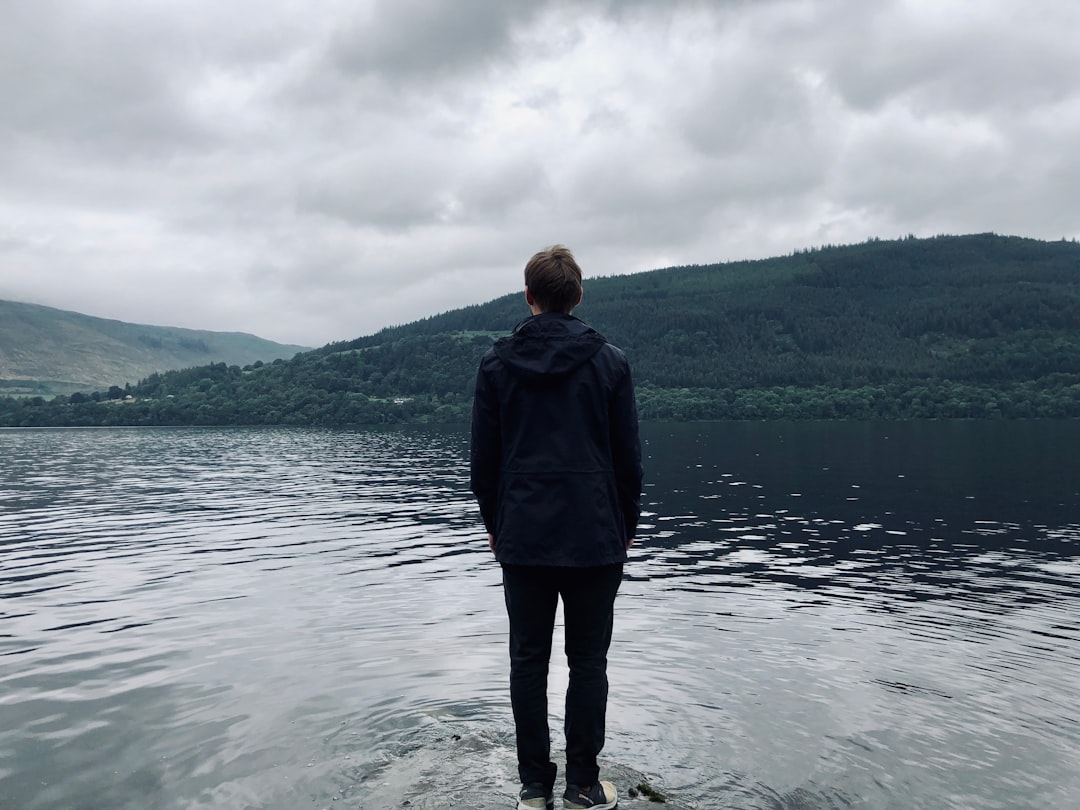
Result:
x=46 y=351
x=979 y=326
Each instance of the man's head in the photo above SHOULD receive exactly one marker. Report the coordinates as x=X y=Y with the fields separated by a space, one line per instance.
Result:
x=553 y=281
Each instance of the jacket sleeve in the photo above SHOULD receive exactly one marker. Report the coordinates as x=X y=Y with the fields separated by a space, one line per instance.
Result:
x=626 y=451
x=485 y=450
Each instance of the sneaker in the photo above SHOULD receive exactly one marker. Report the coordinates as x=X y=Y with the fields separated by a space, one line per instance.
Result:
x=601 y=796
x=535 y=795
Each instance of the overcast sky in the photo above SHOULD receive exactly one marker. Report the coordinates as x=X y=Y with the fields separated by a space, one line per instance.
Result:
x=312 y=171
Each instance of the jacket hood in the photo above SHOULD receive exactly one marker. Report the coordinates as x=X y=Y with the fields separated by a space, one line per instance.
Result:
x=548 y=346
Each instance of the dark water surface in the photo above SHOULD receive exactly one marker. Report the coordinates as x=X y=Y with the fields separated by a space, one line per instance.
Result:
x=816 y=615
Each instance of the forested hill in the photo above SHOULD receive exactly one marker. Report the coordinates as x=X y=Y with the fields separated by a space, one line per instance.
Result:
x=48 y=351
x=966 y=326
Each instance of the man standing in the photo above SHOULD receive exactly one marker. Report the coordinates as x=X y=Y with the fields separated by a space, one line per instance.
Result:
x=556 y=470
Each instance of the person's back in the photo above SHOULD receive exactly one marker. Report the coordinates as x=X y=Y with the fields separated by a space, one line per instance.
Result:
x=556 y=469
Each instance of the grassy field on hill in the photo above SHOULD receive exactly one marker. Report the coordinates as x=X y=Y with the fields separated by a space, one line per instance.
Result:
x=46 y=351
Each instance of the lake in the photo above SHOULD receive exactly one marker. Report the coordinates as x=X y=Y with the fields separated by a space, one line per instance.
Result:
x=816 y=615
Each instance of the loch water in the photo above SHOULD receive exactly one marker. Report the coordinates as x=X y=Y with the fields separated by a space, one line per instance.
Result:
x=815 y=615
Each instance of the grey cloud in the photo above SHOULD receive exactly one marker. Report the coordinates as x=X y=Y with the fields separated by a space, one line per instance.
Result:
x=493 y=191
x=138 y=79
x=394 y=193
x=428 y=39
x=762 y=108
x=313 y=176
x=436 y=40
x=982 y=60
x=91 y=83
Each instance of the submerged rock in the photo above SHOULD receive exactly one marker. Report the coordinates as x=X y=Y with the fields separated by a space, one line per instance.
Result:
x=458 y=767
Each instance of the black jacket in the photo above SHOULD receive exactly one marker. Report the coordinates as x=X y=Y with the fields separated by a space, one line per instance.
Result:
x=556 y=461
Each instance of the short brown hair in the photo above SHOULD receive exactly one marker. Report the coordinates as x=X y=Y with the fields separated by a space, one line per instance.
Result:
x=554 y=279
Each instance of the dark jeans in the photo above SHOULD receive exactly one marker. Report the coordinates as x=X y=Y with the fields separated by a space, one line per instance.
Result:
x=532 y=594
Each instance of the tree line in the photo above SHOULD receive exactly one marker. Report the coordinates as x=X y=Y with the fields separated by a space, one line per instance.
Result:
x=979 y=326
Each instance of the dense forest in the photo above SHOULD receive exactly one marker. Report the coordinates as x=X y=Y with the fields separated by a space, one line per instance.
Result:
x=949 y=327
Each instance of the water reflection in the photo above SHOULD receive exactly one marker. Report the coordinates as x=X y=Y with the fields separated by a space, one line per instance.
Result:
x=822 y=615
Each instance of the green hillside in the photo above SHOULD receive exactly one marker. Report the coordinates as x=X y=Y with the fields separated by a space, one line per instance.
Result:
x=50 y=351
x=955 y=326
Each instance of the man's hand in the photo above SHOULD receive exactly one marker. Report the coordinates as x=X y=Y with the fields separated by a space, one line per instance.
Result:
x=629 y=542
x=491 y=543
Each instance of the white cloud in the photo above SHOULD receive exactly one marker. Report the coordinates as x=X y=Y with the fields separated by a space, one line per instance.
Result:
x=312 y=172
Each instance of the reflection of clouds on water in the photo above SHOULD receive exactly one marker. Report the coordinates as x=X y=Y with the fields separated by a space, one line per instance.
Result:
x=278 y=618
x=903 y=549
x=1061 y=567
x=104 y=737
x=259 y=569
x=828 y=601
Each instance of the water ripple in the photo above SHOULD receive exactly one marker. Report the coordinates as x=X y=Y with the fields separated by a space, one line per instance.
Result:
x=257 y=618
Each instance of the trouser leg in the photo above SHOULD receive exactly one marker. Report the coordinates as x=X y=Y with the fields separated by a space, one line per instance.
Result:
x=588 y=607
x=531 y=598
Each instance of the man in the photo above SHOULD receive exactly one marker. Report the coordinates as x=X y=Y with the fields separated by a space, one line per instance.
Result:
x=556 y=470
